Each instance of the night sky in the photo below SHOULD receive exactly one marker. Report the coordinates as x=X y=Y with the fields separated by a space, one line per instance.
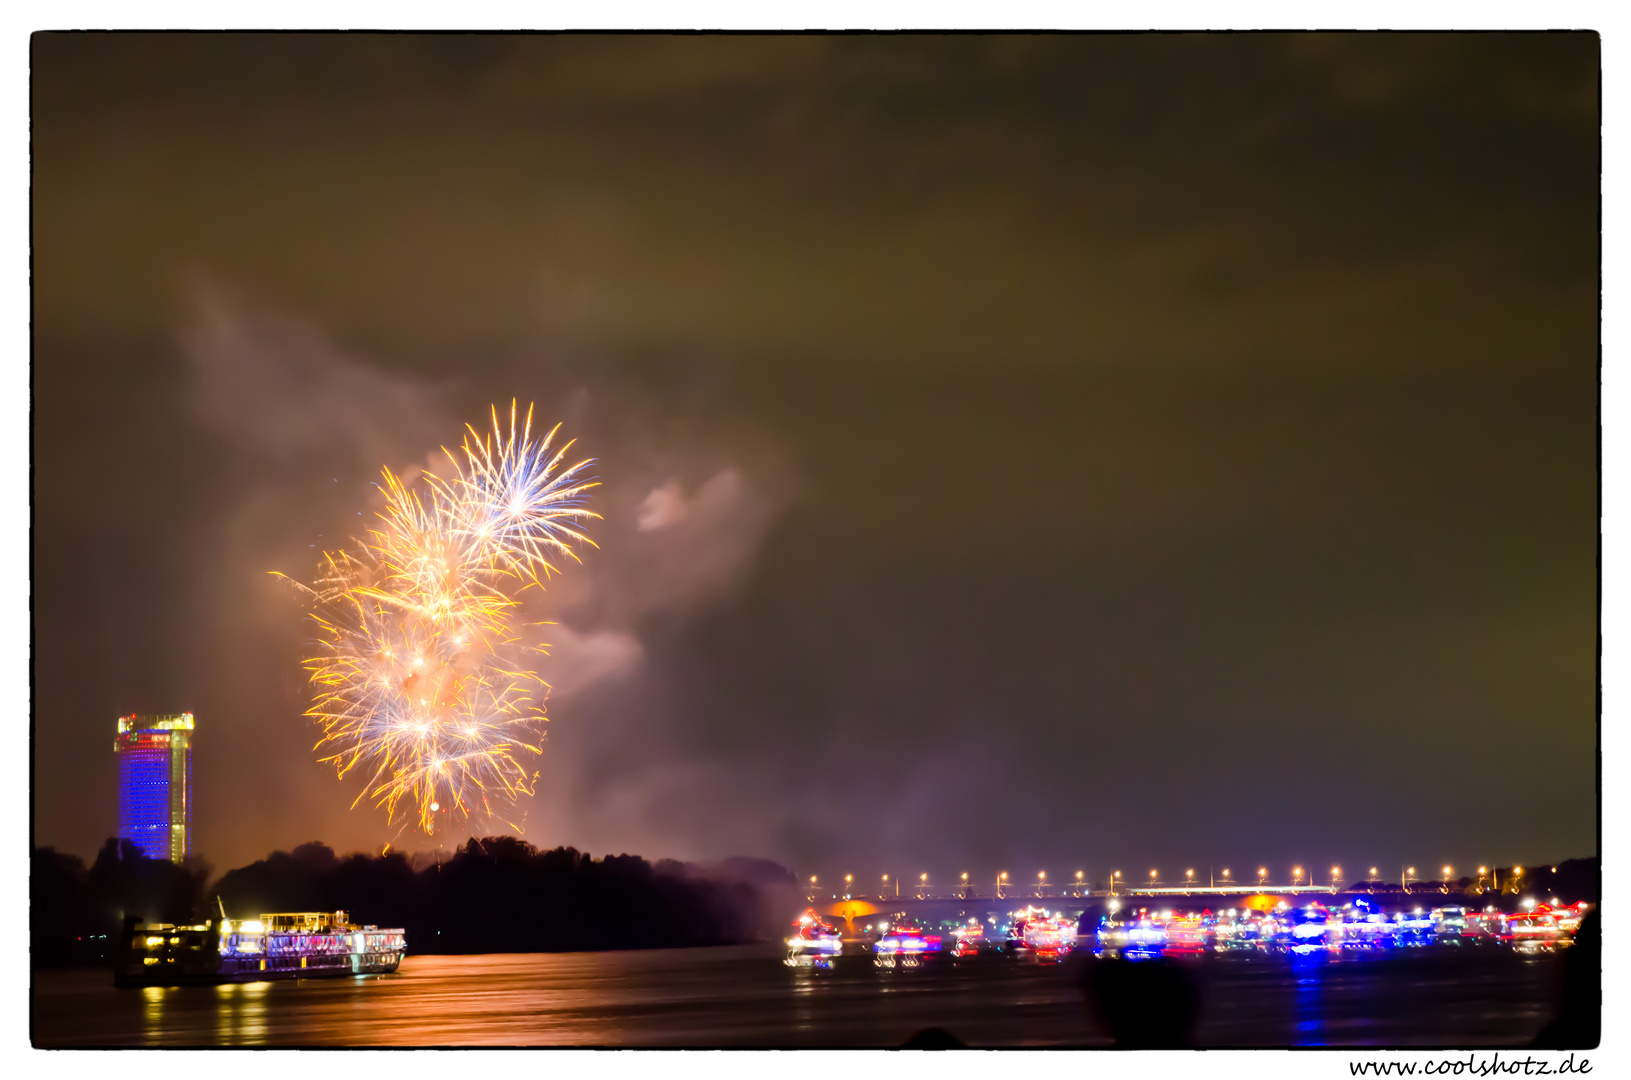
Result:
x=1018 y=452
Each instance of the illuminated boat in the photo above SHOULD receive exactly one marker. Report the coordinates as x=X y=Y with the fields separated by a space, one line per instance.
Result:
x=295 y=945
x=1360 y=926
x=1310 y=929
x=1134 y=936
x=1051 y=937
x=1569 y=918
x=1234 y=932
x=1535 y=931
x=1484 y=927
x=904 y=944
x=1415 y=929
x=1038 y=932
x=1452 y=926
x=968 y=940
x=813 y=943
x=1186 y=935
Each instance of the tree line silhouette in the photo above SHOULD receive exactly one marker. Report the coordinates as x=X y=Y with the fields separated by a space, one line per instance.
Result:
x=498 y=894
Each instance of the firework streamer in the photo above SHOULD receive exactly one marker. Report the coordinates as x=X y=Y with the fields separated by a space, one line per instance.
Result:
x=422 y=677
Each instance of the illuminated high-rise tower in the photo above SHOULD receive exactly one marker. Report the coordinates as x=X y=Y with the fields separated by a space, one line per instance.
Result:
x=156 y=784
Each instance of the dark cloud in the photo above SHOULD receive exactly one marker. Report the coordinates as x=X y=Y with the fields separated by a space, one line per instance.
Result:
x=1014 y=448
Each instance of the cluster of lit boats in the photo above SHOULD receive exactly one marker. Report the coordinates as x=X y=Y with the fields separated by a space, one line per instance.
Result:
x=1315 y=927
x=1136 y=932
x=904 y=942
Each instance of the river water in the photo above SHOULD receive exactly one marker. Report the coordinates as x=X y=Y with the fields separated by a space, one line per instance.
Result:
x=745 y=996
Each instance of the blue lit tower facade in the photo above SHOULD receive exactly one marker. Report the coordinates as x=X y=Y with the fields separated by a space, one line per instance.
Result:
x=156 y=784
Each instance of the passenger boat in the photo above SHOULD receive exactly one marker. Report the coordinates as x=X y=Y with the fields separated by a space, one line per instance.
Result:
x=813 y=942
x=1535 y=931
x=1135 y=935
x=1452 y=926
x=1186 y=935
x=1360 y=929
x=968 y=940
x=903 y=944
x=290 y=945
x=1051 y=937
x=1234 y=932
x=1415 y=929
x=1570 y=917
x=1310 y=929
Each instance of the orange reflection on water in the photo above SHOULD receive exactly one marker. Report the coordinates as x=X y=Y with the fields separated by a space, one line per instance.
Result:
x=153 y=1013
x=240 y=1013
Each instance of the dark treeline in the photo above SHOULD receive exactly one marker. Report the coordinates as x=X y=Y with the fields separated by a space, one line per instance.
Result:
x=75 y=913
x=499 y=894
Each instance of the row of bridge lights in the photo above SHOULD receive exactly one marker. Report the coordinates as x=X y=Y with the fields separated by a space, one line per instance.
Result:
x=1262 y=876
x=923 y=879
x=1407 y=873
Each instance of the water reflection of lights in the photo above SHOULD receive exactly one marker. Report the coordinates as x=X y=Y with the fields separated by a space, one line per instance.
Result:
x=1309 y=972
x=709 y=997
x=240 y=1013
x=153 y=1012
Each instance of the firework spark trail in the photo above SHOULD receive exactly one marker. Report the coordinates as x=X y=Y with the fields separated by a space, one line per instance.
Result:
x=421 y=681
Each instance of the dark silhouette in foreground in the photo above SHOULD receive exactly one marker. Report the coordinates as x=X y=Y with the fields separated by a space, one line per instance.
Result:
x=1579 y=1023
x=934 y=1038
x=1147 y=1005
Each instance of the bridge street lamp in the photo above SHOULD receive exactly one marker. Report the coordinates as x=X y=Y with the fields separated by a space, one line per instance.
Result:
x=1115 y=879
x=1262 y=875
x=1336 y=872
x=1078 y=883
